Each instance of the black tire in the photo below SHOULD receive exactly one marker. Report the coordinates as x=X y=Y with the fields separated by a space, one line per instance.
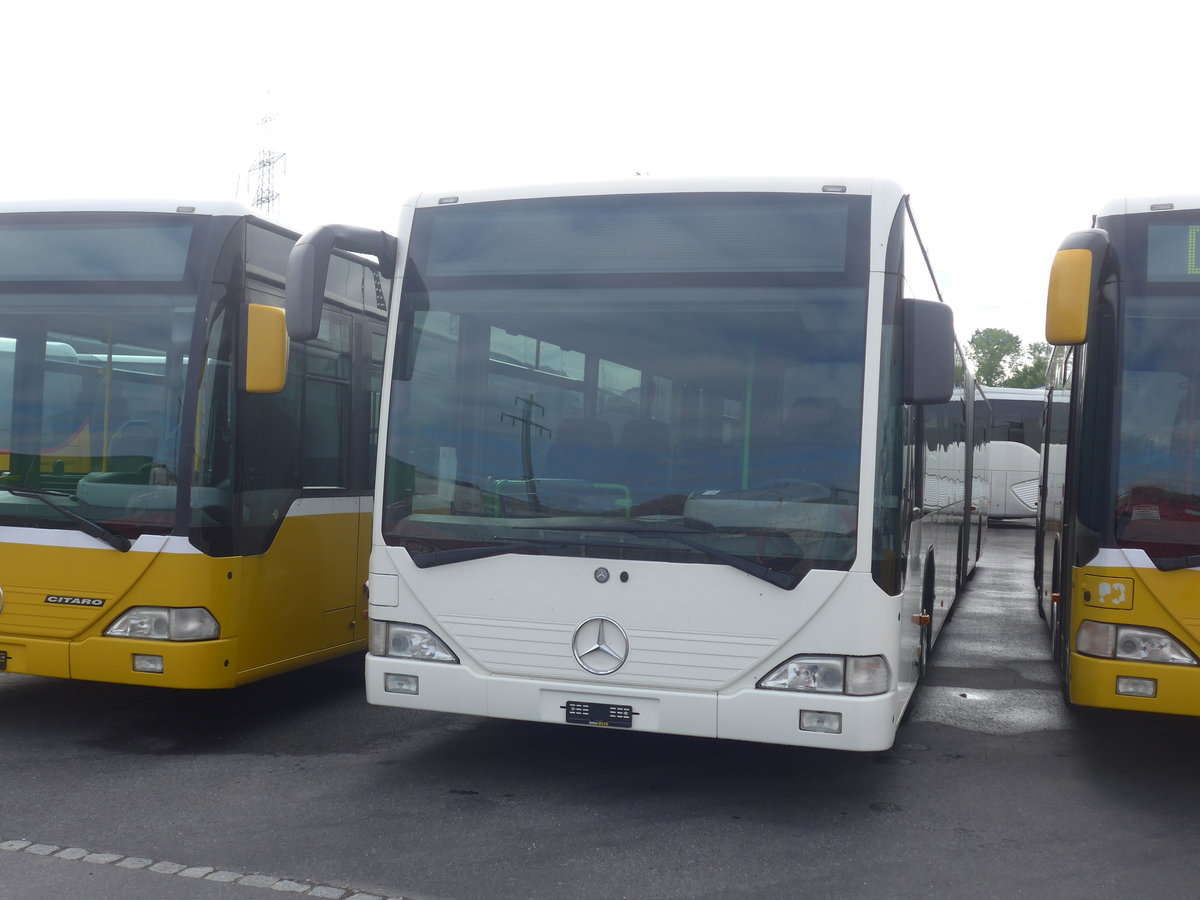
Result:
x=1055 y=618
x=1062 y=649
x=1064 y=668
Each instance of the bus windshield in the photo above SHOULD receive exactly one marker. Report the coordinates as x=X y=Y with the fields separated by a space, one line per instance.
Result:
x=665 y=377
x=1158 y=455
x=95 y=326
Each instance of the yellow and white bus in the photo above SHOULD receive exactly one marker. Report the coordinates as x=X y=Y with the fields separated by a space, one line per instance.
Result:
x=667 y=455
x=1117 y=563
x=183 y=501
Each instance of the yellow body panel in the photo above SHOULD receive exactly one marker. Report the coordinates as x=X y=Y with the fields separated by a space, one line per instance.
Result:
x=36 y=656
x=1143 y=597
x=300 y=603
x=305 y=596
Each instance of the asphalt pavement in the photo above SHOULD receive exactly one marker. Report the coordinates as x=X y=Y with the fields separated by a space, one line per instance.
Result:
x=296 y=786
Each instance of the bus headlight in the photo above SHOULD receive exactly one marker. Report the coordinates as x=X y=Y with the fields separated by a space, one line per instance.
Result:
x=1132 y=643
x=162 y=623
x=855 y=675
x=407 y=642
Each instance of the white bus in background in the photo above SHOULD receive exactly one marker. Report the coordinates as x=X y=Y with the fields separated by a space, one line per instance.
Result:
x=657 y=457
x=1015 y=450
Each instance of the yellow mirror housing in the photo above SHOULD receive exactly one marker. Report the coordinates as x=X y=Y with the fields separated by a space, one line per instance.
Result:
x=1074 y=286
x=266 y=349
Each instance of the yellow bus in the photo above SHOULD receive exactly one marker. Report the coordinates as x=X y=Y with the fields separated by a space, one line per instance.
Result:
x=1117 y=562
x=184 y=493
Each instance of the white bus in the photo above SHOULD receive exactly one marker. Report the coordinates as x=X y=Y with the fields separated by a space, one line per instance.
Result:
x=673 y=456
x=1015 y=450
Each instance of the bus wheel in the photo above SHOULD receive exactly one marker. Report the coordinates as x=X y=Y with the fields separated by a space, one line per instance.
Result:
x=1064 y=666
x=1060 y=639
x=1055 y=629
x=1052 y=614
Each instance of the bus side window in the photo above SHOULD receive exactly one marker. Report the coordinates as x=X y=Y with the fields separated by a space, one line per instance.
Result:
x=326 y=407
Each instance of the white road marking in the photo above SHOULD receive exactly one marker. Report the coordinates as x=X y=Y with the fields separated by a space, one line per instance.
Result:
x=208 y=873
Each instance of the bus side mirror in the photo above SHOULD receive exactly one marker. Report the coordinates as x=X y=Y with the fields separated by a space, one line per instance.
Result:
x=929 y=343
x=308 y=271
x=1074 y=284
x=265 y=354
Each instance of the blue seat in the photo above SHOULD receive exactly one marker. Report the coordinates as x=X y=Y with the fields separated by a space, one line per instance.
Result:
x=583 y=449
x=645 y=456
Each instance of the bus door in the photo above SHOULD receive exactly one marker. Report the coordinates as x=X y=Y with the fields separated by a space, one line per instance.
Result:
x=301 y=519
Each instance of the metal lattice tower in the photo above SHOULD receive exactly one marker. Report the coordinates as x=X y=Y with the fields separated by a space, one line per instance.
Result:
x=265 y=195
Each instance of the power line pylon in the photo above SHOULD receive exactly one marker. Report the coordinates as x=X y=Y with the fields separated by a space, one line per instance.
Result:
x=265 y=195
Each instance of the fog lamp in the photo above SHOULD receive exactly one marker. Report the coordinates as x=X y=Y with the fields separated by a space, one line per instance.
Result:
x=1137 y=687
x=145 y=662
x=824 y=722
x=401 y=684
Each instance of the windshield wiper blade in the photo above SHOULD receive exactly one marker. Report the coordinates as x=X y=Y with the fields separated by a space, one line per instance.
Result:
x=784 y=580
x=428 y=558
x=1175 y=563
x=87 y=526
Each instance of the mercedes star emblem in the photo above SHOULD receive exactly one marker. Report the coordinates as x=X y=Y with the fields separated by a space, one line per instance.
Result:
x=600 y=645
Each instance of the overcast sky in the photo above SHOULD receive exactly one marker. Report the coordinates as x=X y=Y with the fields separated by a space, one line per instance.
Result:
x=1009 y=124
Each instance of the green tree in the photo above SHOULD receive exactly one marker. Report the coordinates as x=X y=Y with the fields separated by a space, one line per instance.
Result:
x=1033 y=373
x=992 y=352
x=1000 y=359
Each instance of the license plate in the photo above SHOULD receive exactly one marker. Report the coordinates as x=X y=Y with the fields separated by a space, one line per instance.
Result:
x=606 y=715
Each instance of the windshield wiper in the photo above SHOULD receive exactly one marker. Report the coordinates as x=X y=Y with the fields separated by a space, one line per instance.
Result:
x=785 y=580
x=1175 y=563
x=428 y=558
x=87 y=526
x=750 y=567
